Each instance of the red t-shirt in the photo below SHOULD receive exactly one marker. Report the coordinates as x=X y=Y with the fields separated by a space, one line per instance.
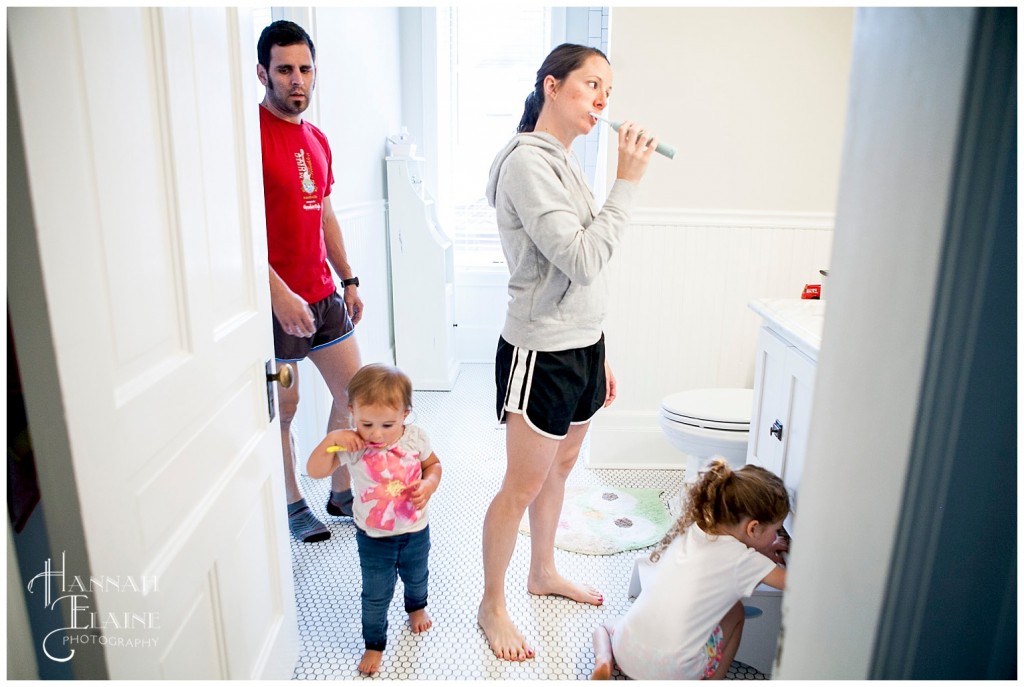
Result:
x=296 y=179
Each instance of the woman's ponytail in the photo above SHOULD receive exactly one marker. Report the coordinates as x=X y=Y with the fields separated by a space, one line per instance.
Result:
x=531 y=111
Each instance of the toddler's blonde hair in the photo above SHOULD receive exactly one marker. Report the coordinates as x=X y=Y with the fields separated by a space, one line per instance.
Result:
x=378 y=384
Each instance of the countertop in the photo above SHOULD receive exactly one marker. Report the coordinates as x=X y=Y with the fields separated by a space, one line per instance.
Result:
x=795 y=319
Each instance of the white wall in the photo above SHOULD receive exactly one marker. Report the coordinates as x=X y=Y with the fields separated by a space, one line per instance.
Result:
x=753 y=99
x=424 y=90
x=359 y=94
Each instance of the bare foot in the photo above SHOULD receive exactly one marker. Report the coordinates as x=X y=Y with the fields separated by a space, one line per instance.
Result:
x=602 y=671
x=603 y=659
x=370 y=663
x=502 y=635
x=559 y=586
x=420 y=621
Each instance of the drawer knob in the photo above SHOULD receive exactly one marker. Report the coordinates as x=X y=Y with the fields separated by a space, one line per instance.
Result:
x=776 y=430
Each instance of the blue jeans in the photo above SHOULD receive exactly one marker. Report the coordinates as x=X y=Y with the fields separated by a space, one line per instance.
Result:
x=382 y=560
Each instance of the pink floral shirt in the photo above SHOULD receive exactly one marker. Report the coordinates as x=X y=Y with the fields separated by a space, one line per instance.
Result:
x=380 y=481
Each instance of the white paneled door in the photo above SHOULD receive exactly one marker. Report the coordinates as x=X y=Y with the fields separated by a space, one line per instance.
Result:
x=144 y=196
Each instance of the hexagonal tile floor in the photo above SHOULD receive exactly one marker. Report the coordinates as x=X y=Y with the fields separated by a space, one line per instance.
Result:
x=471 y=445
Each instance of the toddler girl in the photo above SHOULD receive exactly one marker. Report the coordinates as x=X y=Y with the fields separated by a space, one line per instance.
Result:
x=688 y=619
x=394 y=474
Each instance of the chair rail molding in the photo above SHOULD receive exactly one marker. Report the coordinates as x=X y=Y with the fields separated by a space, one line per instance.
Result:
x=686 y=217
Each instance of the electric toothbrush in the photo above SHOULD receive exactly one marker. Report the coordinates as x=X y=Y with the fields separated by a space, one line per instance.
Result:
x=663 y=148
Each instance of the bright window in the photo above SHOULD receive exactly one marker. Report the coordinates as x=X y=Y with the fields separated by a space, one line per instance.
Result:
x=495 y=53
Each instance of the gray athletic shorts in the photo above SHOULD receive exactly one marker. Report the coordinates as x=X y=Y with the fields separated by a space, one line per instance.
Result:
x=332 y=325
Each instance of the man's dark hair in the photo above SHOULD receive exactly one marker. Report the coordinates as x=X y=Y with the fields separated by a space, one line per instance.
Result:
x=281 y=32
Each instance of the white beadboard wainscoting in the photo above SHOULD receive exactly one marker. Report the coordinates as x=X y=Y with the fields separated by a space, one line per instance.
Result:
x=364 y=231
x=677 y=313
x=364 y=227
x=678 y=316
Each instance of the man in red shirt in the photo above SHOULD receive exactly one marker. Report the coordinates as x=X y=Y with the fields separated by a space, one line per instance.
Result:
x=311 y=318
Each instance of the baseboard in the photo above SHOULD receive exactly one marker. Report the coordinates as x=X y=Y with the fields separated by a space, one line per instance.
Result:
x=631 y=441
x=438 y=382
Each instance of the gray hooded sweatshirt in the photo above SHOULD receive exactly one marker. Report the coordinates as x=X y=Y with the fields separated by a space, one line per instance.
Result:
x=556 y=241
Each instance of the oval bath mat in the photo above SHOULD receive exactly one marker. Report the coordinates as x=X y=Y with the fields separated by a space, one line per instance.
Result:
x=602 y=520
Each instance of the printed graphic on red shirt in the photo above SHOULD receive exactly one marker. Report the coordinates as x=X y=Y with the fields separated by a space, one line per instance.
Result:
x=304 y=163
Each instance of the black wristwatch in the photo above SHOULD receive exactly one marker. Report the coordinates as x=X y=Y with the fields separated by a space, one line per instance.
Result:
x=354 y=281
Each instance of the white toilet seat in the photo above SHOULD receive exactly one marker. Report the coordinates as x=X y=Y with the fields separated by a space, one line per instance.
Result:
x=706 y=424
x=726 y=410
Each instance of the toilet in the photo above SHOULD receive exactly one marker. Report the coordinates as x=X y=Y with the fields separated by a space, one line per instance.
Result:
x=703 y=423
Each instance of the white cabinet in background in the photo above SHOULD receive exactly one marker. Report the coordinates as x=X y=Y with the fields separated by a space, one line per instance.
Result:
x=422 y=280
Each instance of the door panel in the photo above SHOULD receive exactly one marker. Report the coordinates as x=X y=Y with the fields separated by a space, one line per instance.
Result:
x=167 y=497
x=124 y=146
x=187 y=655
x=247 y=592
x=143 y=163
x=802 y=371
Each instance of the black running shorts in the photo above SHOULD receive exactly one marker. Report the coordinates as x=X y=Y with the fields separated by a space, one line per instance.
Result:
x=551 y=390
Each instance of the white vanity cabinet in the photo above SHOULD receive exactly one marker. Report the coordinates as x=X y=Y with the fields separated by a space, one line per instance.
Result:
x=787 y=355
x=784 y=368
x=421 y=258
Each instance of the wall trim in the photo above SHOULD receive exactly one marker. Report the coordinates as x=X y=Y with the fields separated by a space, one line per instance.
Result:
x=360 y=209
x=648 y=216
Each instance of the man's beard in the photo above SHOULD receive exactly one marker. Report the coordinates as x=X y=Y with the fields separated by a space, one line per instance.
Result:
x=286 y=104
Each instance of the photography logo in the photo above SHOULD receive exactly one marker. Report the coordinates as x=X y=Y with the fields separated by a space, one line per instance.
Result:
x=71 y=593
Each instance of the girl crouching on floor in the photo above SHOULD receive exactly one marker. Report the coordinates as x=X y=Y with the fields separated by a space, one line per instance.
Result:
x=688 y=620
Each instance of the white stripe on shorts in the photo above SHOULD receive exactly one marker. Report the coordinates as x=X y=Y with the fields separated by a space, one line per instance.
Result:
x=520 y=381
x=520 y=378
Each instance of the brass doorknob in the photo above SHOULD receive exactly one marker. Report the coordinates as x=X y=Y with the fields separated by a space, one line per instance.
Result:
x=284 y=376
